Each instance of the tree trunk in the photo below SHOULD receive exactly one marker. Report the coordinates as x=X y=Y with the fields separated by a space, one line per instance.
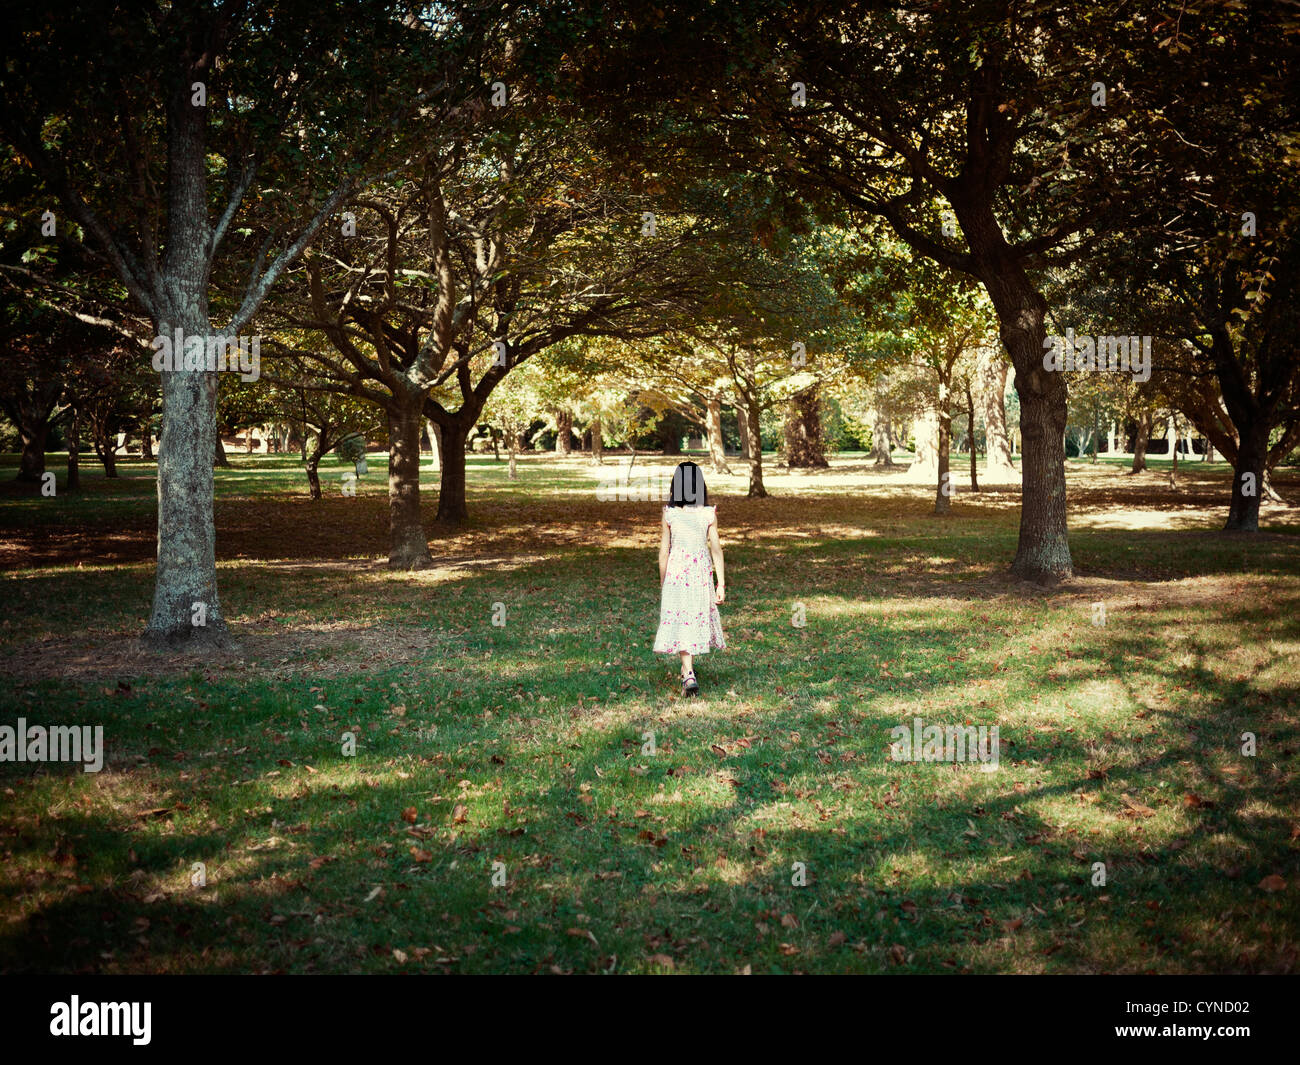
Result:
x=804 y=447
x=146 y=442
x=1140 y=441
x=756 y=489
x=1110 y=440
x=742 y=424
x=248 y=437
x=220 y=454
x=103 y=441
x=881 y=440
x=513 y=475
x=717 y=449
x=991 y=372
x=452 y=507
x=970 y=432
x=31 y=467
x=597 y=442
x=408 y=547
x=313 y=471
x=187 y=567
x=74 y=451
x=1172 y=433
x=1248 y=478
x=942 y=498
x=563 y=432
x=435 y=446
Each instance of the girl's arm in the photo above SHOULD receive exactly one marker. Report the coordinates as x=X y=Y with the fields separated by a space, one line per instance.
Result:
x=715 y=549
x=664 y=541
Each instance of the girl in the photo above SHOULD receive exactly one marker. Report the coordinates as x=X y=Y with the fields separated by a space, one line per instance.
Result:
x=689 y=624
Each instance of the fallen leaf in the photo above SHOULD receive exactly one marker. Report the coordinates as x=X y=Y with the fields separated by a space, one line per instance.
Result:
x=1139 y=809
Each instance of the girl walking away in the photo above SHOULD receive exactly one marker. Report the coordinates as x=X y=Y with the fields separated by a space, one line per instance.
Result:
x=689 y=623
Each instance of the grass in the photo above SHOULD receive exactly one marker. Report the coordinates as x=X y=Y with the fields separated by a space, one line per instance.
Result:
x=521 y=754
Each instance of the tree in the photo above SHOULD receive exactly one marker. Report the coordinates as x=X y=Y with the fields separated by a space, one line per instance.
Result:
x=985 y=107
x=254 y=97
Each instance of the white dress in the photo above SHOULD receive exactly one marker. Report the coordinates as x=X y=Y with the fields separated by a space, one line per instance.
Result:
x=688 y=609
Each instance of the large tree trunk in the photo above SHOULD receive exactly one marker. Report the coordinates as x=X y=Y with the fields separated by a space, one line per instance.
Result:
x=1140 y=441
x=563 y=432
x=804 y=447
x=74 y=451
x=756 y=489
x=187 y=542
x=717 y=449
x=187 y=567
x=1043 y=549
x=146 y=443
x=1248 y=471
x=408 y=547
x=881 y=439
x=452 y=506
x=742 y=424
x=31 y=466
x=991 y=372
x=597 y=442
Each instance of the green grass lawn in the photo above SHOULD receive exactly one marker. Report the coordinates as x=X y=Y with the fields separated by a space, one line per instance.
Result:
x=504 y=810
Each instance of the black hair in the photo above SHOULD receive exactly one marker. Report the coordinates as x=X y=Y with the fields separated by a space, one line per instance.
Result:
x=688 y=489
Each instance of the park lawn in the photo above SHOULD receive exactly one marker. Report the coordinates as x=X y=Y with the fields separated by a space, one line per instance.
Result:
x=522 y=752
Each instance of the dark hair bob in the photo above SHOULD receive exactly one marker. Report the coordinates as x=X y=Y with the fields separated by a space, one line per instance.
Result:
x=688 y=488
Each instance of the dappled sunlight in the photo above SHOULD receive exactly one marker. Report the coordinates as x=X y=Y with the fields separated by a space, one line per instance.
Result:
x=526 y=743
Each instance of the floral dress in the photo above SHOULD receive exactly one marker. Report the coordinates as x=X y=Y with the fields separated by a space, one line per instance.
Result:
x=688 y=611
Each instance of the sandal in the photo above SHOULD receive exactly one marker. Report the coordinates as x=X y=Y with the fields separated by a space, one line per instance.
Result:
x=689 y=685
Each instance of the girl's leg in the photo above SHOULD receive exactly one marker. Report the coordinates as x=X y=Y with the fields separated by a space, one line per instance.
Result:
x=687 y=663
